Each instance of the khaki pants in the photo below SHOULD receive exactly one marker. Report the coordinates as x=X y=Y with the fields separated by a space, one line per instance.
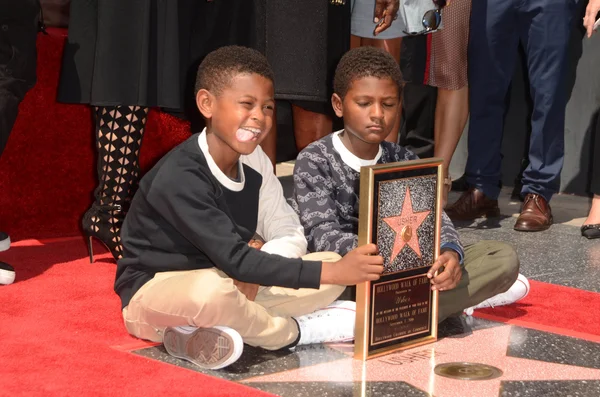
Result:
x=491 y=267
x=207 y=297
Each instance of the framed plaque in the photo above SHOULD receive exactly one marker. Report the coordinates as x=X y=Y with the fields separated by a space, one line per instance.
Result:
x=400 y=211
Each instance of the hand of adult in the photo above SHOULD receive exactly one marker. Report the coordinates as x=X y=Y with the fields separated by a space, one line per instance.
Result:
x=386 y=11
x=590 y=16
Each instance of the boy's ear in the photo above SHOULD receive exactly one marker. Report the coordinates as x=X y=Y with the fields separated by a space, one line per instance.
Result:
x=338 y=106
x=205 y=101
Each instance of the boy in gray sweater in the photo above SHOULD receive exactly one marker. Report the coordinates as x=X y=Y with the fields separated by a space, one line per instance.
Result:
x=367 y=92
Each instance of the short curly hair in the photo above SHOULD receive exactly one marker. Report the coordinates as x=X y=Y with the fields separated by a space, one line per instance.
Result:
x=365 y=62
x=220 y=66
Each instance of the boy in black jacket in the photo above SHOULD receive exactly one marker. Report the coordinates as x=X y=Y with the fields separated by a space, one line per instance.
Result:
x=190 y=272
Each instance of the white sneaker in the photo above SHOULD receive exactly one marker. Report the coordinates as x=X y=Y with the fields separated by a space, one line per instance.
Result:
x=516 y=292
x=208 y=348
x=4 y=241
x=7 y=273
x=335 y=323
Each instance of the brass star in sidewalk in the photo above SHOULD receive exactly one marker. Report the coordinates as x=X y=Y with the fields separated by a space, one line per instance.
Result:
x=405 y=226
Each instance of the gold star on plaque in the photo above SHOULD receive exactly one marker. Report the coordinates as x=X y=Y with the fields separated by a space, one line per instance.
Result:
x=405 y=226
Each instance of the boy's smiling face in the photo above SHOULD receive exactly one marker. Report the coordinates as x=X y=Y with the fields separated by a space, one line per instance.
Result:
x=369 y=108
x=241 y=115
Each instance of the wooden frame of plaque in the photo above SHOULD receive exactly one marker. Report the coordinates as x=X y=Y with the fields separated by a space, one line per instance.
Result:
x=401 y=212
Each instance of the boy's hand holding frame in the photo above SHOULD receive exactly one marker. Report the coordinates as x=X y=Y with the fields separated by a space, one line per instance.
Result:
x=449 y=272
x=359 y=265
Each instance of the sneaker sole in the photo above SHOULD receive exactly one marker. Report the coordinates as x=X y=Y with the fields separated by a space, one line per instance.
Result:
x=208 y=348
x=6 y=277
x=4 y=244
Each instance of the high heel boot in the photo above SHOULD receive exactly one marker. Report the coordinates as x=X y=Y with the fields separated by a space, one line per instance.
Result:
x=119 y=132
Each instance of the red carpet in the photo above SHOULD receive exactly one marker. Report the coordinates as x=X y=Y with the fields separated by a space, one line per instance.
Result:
x=63 y=334
x=48 y=168
x=553 y=308
x=61 y=324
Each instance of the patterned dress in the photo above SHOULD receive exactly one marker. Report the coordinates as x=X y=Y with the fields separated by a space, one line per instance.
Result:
x=326 y=194
x=448 y=57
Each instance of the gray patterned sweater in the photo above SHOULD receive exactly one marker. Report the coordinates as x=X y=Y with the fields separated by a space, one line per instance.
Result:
x=326 y=194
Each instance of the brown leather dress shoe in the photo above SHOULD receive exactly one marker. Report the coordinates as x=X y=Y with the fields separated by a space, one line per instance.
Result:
x=473 y=204
x=536 y=214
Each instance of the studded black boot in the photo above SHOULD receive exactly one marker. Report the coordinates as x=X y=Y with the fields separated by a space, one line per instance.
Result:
x=119 y=132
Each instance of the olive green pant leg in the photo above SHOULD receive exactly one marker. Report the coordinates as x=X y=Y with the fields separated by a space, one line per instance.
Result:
x=490 y=268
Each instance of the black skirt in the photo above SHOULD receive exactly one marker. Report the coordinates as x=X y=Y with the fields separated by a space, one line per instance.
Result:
x=304 y=42
x=146 y=52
